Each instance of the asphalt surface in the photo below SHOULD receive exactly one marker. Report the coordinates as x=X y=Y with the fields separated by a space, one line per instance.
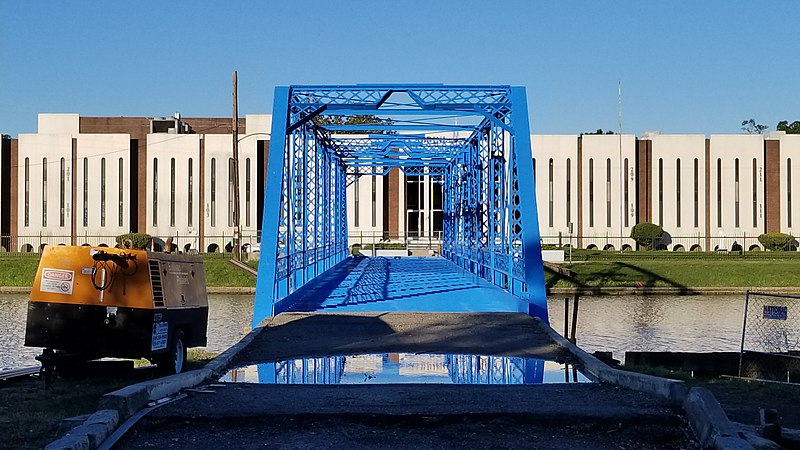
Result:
x=236 y=415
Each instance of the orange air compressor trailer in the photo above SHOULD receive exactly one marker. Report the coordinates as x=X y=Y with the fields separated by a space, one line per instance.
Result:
x=94 y=302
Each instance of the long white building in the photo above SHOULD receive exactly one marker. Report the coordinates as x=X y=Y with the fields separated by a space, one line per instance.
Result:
x=85 y=180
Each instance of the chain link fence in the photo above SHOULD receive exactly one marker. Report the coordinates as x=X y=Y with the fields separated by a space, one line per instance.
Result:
x=770 y=347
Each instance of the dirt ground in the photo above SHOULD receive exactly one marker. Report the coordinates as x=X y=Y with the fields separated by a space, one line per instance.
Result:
x=742 y=400
x=429 y=432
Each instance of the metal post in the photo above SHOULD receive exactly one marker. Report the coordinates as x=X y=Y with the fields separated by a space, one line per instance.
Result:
x=575 y=318
x=744 y=327
x=566 y=318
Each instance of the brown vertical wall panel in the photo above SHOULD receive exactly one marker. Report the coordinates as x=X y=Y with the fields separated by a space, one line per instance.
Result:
x=141 y=185
x=394 y=203
x=579 y=231
x=772 y=186
x=644 y=181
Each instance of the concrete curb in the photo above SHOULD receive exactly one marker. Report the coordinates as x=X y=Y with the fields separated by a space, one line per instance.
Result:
x=712 y=427
x=672 y=390
x=123 y=403
x=89 y=435
x=706 y=417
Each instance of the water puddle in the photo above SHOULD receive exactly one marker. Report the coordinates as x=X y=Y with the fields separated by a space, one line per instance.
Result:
x=394 y=368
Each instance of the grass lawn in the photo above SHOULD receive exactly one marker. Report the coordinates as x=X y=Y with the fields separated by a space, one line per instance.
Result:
x=687 y=273
x=30 y=414
x=20 y=270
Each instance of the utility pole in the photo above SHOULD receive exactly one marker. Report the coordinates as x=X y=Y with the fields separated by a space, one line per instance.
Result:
x=235 y=173
x=623 y=207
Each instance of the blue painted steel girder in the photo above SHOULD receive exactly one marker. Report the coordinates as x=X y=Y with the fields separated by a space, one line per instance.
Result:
x=423 y=95
x=490 y=221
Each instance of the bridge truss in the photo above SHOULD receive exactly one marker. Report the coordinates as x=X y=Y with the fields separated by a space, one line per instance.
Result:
x=473 y=140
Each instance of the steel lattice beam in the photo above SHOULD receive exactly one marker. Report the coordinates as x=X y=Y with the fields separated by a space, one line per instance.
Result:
x=474 y=140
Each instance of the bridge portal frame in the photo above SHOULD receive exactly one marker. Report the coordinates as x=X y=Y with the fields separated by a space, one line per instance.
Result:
x=474 y=140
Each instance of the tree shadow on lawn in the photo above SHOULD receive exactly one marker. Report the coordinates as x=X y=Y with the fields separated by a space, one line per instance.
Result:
x=646 y=279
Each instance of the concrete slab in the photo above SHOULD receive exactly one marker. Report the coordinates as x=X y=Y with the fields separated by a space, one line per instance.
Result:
x=291 y=335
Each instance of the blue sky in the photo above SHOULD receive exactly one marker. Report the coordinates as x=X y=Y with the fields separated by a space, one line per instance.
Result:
x=685 y=66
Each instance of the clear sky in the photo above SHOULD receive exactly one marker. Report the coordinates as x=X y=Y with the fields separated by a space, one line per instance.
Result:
x=685 y=66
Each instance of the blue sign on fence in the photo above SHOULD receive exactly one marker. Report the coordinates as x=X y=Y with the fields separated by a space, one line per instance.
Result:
x=775 y=312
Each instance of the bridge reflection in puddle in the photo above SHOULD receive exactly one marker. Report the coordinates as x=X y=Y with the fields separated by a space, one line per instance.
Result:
x=394 y=368
x=418 y=284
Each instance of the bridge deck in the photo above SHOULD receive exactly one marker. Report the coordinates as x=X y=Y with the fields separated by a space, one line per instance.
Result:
x=401 y=284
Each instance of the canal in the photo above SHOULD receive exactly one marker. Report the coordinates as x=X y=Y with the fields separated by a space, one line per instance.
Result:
x=609 y=323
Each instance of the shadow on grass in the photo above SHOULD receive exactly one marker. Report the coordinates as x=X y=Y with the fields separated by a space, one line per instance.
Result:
x=642 y=280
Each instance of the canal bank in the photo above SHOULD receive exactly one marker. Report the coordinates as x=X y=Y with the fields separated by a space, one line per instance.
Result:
x=627 y=409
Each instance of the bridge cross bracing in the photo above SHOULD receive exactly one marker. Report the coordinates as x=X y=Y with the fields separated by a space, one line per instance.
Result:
x=473 y=140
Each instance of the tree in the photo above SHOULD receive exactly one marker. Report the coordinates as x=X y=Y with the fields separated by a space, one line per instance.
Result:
x=778 y=241
x=793 y=128
x=599 y=131
x=751 y=127
x=647 y=235
x=366 y=119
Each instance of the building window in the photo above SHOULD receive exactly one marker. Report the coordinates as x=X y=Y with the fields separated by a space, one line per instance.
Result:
x=374 y=201
x=213 y=191
x=102 y=192
x=736 y=193
x=719 y=193
x=789 y=192
x=189 y=220
x=355 y=198
x=414 y=206
x=755 y=193
x=436 y=209
x=627 y=195
x=63 y=206
x=608 y=193
x=27 y=192
x=231 y=189
x=678 y=192
x=661 y=192
x=172 y=192
x=155 y=192
x=696 y=193
x=591 y=192
x=569 y=193
x=121 y=193
x=247 y=192
x=44 y=192
x=86 y=192
x=550 y=193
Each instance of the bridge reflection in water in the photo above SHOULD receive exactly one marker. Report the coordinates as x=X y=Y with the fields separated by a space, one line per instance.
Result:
x=396 y=368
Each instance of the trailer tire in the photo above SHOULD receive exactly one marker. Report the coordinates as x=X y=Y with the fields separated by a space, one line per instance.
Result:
x=174 y=361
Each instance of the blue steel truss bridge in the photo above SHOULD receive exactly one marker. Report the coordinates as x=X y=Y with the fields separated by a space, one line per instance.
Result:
x=473 y=140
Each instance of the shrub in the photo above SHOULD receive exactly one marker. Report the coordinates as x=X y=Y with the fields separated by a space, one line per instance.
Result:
x=778 y=241
x=647 y=234
x=134 y=240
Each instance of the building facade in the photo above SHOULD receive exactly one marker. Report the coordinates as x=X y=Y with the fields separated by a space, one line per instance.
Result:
x=85 y=180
